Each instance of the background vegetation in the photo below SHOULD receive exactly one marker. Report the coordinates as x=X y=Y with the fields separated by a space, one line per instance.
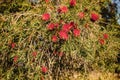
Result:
x=29 y=52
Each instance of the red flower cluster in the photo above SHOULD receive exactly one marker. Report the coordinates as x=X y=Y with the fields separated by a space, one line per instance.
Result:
x=15 y=58
x=54 y=38
x=105 y=36
x=63 y=35
x=66 y=27
x=94 y=16
x=13 y=45
x=76 y=32
x=34 y=54
x=72 y=2
x=46 y=16
x=50 y=26
x=44 y=69
x=81 y=15
x=63 y=9
x=102 y=40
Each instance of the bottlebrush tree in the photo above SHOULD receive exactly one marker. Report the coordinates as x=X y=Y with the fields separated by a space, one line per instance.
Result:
x=52 y=41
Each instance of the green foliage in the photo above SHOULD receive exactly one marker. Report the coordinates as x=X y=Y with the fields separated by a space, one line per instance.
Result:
x=24 y=33
x=13 y=6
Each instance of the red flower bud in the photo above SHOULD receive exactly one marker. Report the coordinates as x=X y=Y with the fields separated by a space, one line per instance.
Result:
x=15 y=58
x=63 y=9
x=63 y=35
x=13 y=45
x=72 y=2
x=34 y=54
x=81 y=15
x=44 y=69
x=66 y=27
x=101 y=41
x=76 y=32
x=45 y=16
x=50 y=26
x=94 y=16
x=54 y=38
x=105 y=36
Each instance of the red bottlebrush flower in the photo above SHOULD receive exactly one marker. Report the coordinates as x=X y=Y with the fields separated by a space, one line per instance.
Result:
x=101 y=41
x=72 y=2
x=81 y=15
x=76 y=32
x=63 y=9
x=13 y=45
x=46 y=1
x=66 y=27
x=15 y=58
x=60 y=54
x=63 y=35
x=34 y=54
x=94 y=16
x=105 y=36
x=45 y=16
x=50 y=26
x=44 y=69
x=54 y=38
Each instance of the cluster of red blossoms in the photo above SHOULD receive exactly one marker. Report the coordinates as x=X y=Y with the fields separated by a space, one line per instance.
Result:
x=102 y=40
x=66 y=27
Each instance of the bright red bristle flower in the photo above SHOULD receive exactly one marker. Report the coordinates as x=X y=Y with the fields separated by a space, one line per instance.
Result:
x=72 y=2
x=66 y=27
x=15 y=58
x=76 y=32
x=94 y=16
x=54 y=38
x=102 y=41
x=63 y=9
x=44 y=69
x=46 y=16
x=105 y=36
x=34 y=54
x=50 y=26
x=81 y=15
x=13 y=45
x=63 y=35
